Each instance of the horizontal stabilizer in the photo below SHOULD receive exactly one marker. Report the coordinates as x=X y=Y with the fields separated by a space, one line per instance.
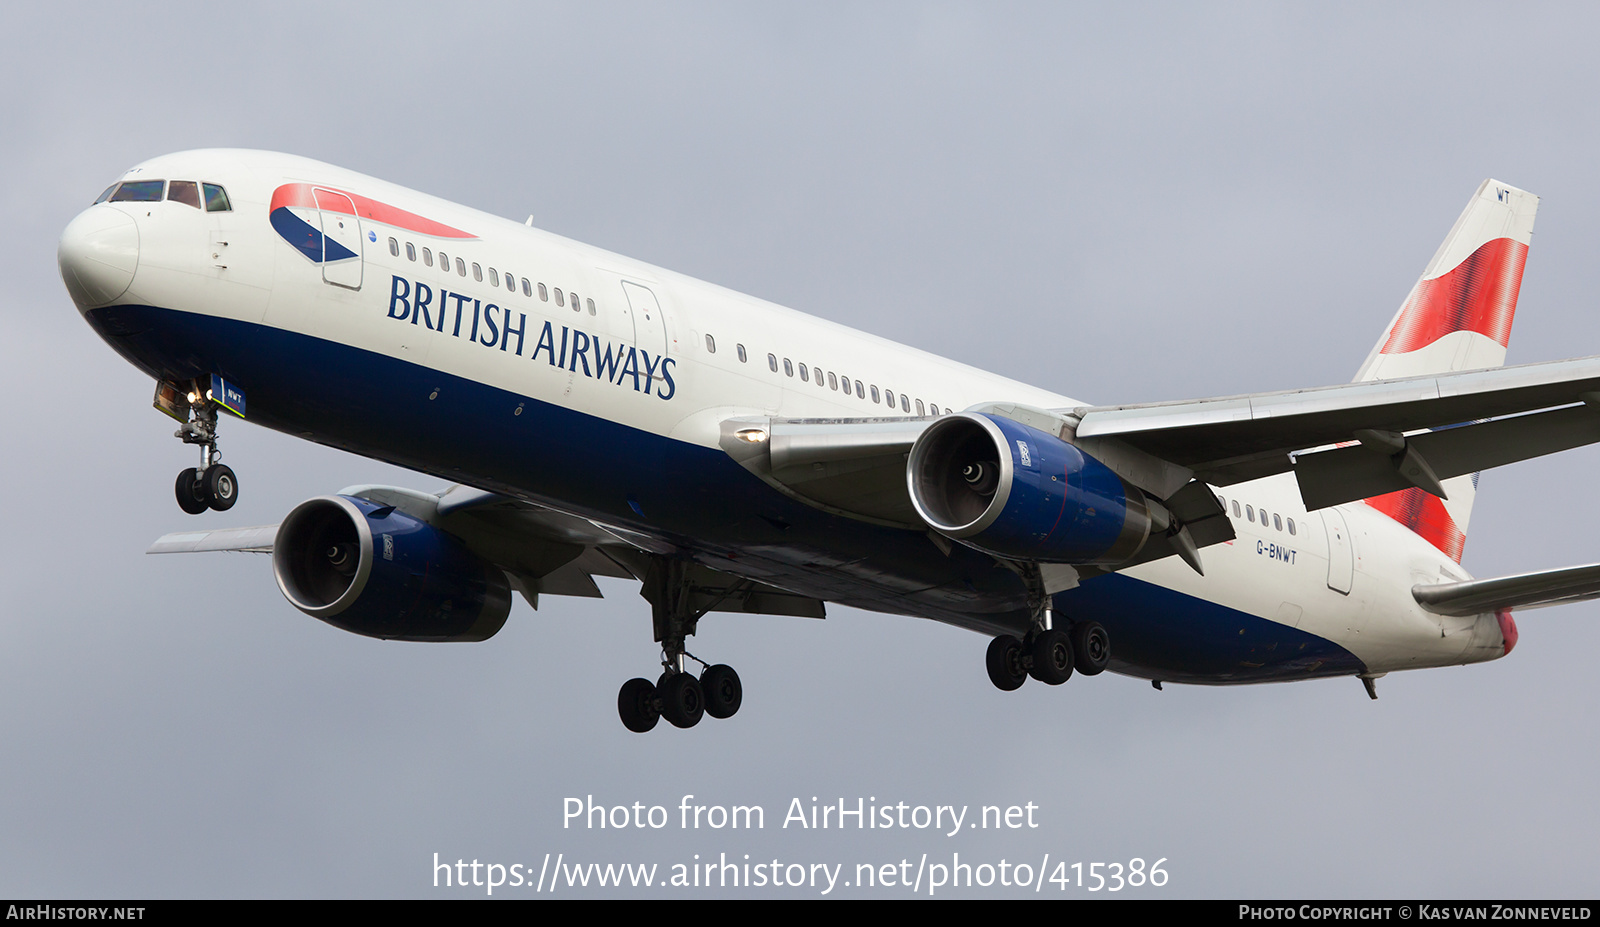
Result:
x=1525 y=590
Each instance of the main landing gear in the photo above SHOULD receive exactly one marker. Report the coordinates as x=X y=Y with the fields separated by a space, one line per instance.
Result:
x=1047 y=653
x=212 y=485
x=678 y=695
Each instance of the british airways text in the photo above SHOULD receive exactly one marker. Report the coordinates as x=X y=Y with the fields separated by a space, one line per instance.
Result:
x=491 y=326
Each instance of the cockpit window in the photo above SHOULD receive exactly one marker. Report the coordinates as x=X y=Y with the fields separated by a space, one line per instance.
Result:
x=106 y=195
x=186 y=192
x=216 y=199
x=139 y=191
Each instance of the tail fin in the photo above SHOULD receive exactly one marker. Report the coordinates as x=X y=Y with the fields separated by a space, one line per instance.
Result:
x=1457 y=317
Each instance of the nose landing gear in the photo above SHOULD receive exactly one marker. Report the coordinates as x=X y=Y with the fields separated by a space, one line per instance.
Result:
x=213 y=484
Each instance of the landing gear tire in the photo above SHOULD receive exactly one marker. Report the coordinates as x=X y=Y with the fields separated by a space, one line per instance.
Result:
x=683 y=704
x=722 y=690
x=191 y=492
x=222 y=487
x=1004 y=662
x=1091 y=647
x=637 y=705
x=1052 y=657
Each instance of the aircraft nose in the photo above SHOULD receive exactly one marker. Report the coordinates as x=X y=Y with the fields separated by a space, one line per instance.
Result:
x=98 y=253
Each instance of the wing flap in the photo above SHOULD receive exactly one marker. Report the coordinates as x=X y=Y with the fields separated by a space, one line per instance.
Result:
x=1359 y=472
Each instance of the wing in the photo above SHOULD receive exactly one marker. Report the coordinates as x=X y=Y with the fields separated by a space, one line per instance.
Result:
x=541 y=550
x=1396 y=434
x=1343 y=443
x=1346 y=442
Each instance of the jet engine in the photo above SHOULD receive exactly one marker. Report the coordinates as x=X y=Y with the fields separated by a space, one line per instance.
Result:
x=1017 y=492
x=372 y=570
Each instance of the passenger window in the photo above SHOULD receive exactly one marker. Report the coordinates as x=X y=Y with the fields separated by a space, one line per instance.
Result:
x=742 y=356
x=511 y=283
x=572 y=298
x=1236 y=509
x=772 y=362
x=905 y=403
x=561 y=300
x=461 y=268
x=527 y=288
x=919 y=408
x=859 y=391
x=427 y=258
x=1277 y=522
x=494 y=278
x=888 y=397
x=477 y=272
x=394 y=247
x=846 y=382
x=711 y=344
x=139 y=191
x=818 y=372
x=833 y=381
x=590 y=304
x=186 y=192
x=1291 y=526
x=216 y=198
x=805 y=375
x=411 y=251
x=544 y=294
x=788 y=368
x=1250 y=514
x=444 y=262
x=874 y=393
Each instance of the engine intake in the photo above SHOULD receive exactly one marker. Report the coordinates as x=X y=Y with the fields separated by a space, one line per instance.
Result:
x=375 y=571
x=1017 y=492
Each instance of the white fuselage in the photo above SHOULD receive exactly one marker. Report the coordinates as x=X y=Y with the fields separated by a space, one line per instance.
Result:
x=1353 y=592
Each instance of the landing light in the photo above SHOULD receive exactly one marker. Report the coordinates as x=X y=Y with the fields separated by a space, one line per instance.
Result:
x=753 y=435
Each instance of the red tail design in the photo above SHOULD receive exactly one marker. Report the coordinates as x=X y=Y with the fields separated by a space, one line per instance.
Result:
x=1424 y=514
x=1479 y=294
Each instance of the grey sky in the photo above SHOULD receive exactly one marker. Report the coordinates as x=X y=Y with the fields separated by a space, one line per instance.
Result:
x=1156 y=203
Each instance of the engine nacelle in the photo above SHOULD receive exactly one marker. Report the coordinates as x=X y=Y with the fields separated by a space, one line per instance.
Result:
x=372 y=570
x=1024 y=494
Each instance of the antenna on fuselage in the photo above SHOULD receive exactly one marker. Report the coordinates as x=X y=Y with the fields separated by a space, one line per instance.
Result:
x=529 y=223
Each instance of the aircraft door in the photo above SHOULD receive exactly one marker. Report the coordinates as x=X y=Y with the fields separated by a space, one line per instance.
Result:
x=649 y=327
x=341 y=239
x=1341 y=558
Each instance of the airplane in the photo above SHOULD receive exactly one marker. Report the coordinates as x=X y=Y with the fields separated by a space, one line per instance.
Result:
x=597 y=416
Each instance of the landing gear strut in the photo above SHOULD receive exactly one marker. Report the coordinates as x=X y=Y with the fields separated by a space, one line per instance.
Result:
x=1047 y=653
x=678 y=695
x=212 y=485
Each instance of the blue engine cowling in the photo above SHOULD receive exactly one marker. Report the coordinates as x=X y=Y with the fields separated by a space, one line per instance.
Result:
x=1024 y=494
x=372 y=570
